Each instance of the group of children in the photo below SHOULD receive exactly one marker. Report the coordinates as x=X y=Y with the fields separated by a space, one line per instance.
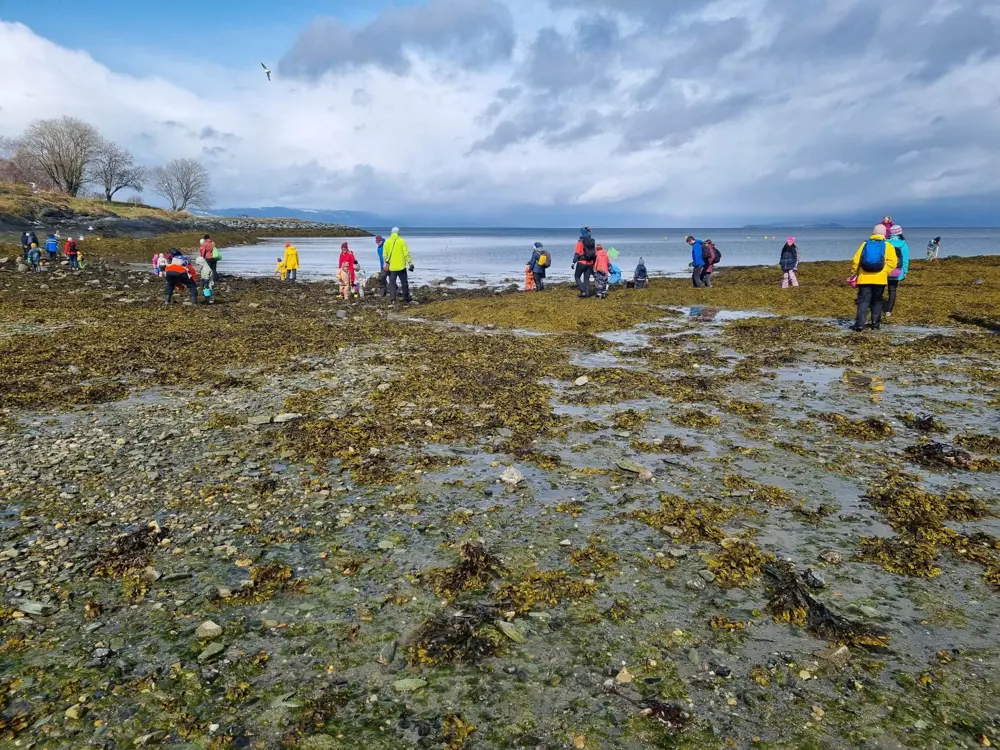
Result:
x=32 y=251
x=350 y=274
x=589 y=260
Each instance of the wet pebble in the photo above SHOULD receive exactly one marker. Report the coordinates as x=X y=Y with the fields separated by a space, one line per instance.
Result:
x=707 y=575
x=695 y=585
x=832 y=557
x=814 y=579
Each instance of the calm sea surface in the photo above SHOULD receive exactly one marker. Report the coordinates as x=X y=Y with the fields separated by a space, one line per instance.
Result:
x=496 y=256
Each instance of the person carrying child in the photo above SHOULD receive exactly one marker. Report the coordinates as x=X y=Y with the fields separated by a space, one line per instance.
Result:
x=344 y=277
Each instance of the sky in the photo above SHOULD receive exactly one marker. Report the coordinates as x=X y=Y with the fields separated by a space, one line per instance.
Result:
x=538 y=112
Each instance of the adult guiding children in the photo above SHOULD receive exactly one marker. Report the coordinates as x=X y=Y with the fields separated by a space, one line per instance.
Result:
x=874 y=261
x=291 y=261
x=584 y=258
x=397 y=262
x=537 y=263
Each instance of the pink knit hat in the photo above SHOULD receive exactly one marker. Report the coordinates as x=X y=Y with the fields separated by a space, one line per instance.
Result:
x=895 y=229
x=790 y=241
x=881 y=229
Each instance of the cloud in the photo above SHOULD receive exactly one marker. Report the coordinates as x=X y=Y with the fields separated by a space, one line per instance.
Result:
x=470 y=33
x=680 y=112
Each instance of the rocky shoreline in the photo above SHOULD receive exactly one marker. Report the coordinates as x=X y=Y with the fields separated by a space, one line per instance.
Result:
x=489 y=521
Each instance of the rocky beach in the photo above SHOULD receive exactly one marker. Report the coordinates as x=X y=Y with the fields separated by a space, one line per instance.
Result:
x=673 y=518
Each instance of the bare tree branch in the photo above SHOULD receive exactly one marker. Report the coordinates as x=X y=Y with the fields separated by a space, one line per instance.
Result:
x=185 y=183
x=62 y=149
x=114 y=169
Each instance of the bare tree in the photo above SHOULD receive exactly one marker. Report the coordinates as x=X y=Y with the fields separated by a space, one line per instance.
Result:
x=185 y=183
x=61 y=149
x=114 y=169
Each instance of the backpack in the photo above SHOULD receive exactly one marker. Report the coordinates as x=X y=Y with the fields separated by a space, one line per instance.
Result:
x=544 y=260
x=718 y=256
x=216 y=255
x=589 y=249
x=873 y=256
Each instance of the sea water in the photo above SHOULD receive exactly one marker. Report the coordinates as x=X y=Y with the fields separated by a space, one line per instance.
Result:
x=497 y=257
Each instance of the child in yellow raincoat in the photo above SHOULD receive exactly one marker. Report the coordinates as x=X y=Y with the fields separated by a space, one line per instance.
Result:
x=344 y=277
x=280 y=270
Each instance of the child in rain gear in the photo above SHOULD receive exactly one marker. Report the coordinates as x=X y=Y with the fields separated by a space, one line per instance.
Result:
x=35 y=257
x=72 y=253
x=615 y=275
x=281 y=270
x=789 y=264
x=898 y=274
x=162 y=264
x=602 y=271
x=534 y=271
x=52 y=247
x=641 y=275
x=934 y=249
x=360 y=279
x=344 y=277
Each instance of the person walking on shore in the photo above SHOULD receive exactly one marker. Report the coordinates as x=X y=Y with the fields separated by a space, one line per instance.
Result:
x=697 y=261
x=72 y=253
x=291 y=261
x=211 y=254
x=712 y=256
x=52 y=247
x=537 y=264
x=934 y=250
x=873 y=262
x=180 y=273
x=789 y=264
x=397 y=262
x=898 y=274
x=602 y=271
x=383 y=276
x=584 y=258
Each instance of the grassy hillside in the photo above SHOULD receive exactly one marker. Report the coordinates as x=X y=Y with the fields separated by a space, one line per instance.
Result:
x=18 y=201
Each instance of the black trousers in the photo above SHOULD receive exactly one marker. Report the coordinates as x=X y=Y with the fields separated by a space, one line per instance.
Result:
x=582 y=276
x=401 y=276
x=698 y=277
x=890 y=304
x=175 y=280
x=869 y=299
x=539 y=281
x=212 y=263
x=383 y=282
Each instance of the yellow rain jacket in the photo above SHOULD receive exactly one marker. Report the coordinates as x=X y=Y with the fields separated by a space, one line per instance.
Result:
x=396 y=253
x=280 y=270
x=882 y=277
x=291 y=258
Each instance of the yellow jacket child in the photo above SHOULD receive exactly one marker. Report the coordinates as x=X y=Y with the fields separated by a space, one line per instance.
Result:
x=281 y=270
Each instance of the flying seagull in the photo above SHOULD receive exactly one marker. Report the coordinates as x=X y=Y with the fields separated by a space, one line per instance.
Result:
x=266 y=71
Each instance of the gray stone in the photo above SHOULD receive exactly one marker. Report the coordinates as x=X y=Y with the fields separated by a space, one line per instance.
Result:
x=76 y=712
x=39 y=609
x=511 y=476
x=707 y=575
x=286 y=417
x=212 y=651
x=208 y=630
x=260 y=419
x=831 y=556
x=814 y=579
x=696 y=585
x=151 y=574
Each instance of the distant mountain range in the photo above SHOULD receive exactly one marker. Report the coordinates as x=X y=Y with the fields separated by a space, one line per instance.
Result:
x=793 y=225
x=326 y=216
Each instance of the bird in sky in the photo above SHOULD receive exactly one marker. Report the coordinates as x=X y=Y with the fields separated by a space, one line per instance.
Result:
x=266 y=70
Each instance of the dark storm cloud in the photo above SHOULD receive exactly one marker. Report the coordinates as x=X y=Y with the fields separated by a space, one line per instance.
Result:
x=471 y=33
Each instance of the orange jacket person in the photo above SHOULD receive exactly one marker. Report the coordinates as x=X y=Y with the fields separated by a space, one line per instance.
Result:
x=180 y=272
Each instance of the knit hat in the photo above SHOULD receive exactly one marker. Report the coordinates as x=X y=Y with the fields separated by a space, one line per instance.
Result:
x=881 y=229
x=395 y=230
x=585 y=232
x=379 y=240
x=790 y=241
x=895 y=229
x=343 y=246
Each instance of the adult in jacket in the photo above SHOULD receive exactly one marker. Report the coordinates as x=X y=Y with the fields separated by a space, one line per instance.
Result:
x=697 y=261
x=536 y=267
x=584 y=258
x=872 y=264
x=397 y=263
x=206 y=250
x=291 y=261
x=898 y=274
x=180 y=273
